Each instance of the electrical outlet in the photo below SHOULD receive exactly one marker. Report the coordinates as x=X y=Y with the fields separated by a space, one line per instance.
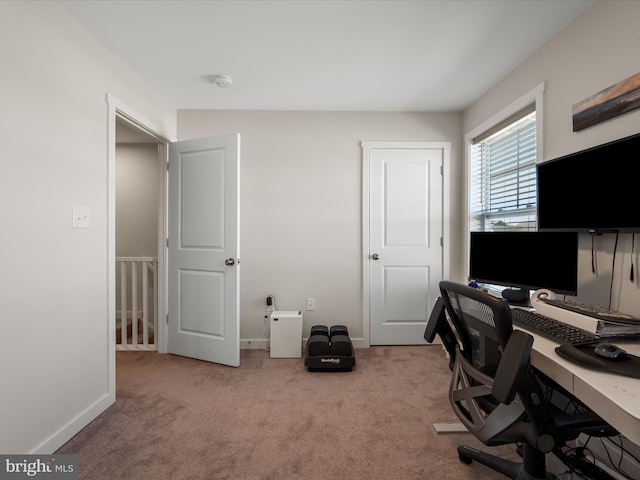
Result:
x=311 y=303
x=81 y=217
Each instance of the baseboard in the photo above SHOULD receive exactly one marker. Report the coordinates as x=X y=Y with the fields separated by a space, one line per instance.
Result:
x=71 y=428
x=259 y=343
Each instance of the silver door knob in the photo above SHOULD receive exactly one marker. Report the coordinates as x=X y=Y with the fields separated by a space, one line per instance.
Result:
x=229 y=262
x=375 y=256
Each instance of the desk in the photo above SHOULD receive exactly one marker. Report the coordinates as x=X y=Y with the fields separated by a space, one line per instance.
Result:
x=614 y=397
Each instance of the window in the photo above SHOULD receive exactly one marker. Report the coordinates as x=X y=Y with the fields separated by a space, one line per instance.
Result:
x=502 y=193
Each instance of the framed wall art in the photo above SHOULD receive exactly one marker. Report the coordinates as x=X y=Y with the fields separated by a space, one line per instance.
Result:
x=615 y=100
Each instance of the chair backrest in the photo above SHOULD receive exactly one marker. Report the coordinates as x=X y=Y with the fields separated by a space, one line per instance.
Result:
x=494 y=391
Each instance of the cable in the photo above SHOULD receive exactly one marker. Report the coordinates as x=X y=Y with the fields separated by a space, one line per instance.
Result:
x=623 y=451
x=271 y=306
x=633 y=241
x=585 y=465
x=593 y=255
x=264 y=330
x=613 y=268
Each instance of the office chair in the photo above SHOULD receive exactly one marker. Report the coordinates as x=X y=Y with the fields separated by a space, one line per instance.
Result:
x=496 y=393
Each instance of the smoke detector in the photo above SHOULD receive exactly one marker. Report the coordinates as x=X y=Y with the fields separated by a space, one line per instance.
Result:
x=223 y=81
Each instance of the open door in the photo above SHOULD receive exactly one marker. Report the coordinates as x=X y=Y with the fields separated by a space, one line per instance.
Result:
x=203 y=252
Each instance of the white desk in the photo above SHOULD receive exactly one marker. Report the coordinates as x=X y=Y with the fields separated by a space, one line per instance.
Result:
x=614 y=397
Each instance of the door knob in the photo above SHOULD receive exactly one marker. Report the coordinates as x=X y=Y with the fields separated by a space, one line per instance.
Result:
x=375 y=256
x=229 y=261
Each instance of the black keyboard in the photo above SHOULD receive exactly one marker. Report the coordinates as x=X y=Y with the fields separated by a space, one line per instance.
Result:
x=552 y=329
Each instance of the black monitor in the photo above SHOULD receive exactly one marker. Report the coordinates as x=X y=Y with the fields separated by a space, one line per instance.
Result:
x=593 y=190
x=524 y=261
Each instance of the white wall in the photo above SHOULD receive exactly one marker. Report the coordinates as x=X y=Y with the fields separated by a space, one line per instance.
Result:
x=54 y=359
x=137 y=194
x=137 y=185
x=301 y=197
x=301 y=204
x=596 y=50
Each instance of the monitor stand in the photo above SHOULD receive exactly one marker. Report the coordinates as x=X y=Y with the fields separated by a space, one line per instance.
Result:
x=517 y=296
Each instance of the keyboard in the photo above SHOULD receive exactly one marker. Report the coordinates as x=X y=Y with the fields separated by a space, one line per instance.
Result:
x=552 y=329
x=594 y=311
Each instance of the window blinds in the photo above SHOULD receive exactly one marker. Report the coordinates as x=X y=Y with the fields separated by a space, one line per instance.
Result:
x=503 y=176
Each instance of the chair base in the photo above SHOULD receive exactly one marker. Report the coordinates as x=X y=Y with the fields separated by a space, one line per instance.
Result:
x=529 y=470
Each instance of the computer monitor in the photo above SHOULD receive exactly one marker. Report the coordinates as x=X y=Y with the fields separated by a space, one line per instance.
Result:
x=593 y=190
x=523 y=261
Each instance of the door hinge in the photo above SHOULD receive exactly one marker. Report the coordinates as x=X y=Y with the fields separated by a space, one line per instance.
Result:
x=168 y=165
x=442 y=170
x=167 y=243
x=441 y=241
x=167 y=319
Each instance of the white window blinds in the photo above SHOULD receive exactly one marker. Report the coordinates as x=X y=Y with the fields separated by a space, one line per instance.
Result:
x=503 y=175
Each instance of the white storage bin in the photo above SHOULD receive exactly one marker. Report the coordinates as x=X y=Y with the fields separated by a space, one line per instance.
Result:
x=286 y=334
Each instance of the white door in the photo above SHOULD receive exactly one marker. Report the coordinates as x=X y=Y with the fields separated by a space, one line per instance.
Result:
x=203 y=253
x=405 y=255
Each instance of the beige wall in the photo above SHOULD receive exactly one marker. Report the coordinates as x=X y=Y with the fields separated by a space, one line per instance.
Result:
x=137 y=182
x=596 y=50
x=55 y=364
x=301 y=197
x=301 y=204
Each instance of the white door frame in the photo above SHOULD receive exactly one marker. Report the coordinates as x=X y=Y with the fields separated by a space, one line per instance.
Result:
x=118 y=110
x=366 y=205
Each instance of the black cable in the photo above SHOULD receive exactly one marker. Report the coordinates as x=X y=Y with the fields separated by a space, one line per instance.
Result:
x=613 y=268
x=586 y=466
x=617 y=467
x=593 y=255
x=620 y=446
x=623 y=451
x=633 y=241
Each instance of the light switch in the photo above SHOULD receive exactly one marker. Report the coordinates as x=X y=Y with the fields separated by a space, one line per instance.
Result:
x=81 y=217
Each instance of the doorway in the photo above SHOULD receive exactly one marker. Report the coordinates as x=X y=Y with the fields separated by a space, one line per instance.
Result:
x=139 y=223
x=198 y=164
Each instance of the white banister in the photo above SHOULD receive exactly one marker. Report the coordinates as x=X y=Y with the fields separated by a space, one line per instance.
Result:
x=134 y=309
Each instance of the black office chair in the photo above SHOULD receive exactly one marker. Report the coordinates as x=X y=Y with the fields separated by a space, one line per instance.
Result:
x=496 y=393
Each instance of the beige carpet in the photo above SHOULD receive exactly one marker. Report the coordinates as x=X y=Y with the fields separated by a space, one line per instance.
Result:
x=178 y=418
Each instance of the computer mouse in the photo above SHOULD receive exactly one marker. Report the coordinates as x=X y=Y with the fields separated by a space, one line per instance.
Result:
x=610 y=351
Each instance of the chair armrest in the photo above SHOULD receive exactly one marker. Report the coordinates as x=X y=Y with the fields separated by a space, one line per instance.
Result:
x=512 y=367
x=435 y=322
x=439 y=325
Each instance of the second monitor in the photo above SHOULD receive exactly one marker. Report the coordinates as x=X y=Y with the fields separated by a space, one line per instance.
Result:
x=523 y=261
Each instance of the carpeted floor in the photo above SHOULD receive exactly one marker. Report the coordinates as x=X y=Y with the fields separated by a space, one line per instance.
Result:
x=177 y=418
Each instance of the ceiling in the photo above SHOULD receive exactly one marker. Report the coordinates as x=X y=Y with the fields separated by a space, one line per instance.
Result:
x=335 y=55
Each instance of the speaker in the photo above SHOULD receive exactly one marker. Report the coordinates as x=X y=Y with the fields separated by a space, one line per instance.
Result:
x=515 y=295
